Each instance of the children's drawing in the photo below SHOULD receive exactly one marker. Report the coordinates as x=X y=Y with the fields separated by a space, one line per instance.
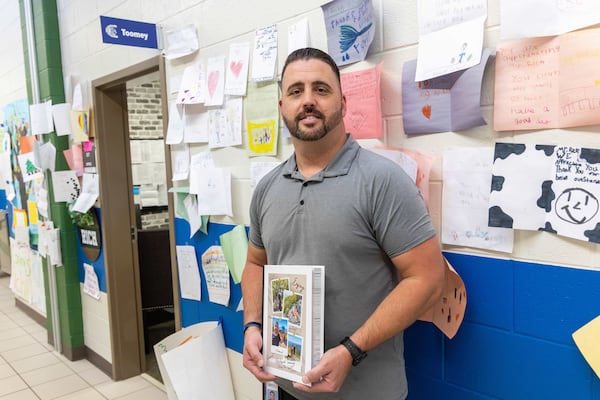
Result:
x=426 y=111
x=558 y=194
x=448 y=103
x=348 y=36
x=262 y=138
x=350 y=29
x=237 y=69
x=17 y=125
x=462 y=56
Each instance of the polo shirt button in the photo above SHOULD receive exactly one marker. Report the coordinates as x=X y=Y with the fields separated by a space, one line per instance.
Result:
x=301 y=202
x=305 y=184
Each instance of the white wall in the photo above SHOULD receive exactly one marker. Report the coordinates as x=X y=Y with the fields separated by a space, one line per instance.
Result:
x=96 y=334
x=12 y=69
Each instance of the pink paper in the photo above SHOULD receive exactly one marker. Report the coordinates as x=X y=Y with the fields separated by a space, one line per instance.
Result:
x=88 y=146
x=424 y=163
x=548 y=82
x=74 y=158
x=363 y=100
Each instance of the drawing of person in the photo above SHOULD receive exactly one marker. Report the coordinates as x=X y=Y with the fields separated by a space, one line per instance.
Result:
x=462 y=53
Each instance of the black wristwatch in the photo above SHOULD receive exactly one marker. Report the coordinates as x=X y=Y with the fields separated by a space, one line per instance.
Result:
x=357 y=354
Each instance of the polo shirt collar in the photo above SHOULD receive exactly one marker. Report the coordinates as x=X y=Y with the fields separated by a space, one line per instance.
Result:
x=340 y=165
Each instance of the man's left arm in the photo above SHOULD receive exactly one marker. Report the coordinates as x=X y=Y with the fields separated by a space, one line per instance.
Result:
x=422 y=276
x=421 y=273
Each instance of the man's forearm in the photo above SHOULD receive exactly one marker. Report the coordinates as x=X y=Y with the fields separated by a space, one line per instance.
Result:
x=252 y=288
x=396 y=312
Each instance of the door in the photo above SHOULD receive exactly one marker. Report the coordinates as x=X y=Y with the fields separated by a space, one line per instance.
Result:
x=119 y=218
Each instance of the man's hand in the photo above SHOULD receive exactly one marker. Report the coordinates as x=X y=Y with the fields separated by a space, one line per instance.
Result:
x=252 y=357
x=329 y=375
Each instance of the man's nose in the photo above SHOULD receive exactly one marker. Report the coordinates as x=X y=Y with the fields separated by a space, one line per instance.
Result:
x=308 y=99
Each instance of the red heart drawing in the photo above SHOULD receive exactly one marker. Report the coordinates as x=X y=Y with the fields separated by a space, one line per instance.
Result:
x=213 y=81
x=236 y=67
x=426 y=110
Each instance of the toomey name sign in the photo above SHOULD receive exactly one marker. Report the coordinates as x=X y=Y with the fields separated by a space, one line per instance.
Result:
x=128 y=33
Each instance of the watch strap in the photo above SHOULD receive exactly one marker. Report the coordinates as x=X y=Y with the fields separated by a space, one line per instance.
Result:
x=252 y=323
x=355 y=352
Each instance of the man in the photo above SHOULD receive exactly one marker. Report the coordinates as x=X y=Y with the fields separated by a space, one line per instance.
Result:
x=335 y=204
x=276 y=338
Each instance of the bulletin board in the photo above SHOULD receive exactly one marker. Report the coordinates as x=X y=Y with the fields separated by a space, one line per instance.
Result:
x=193 y=311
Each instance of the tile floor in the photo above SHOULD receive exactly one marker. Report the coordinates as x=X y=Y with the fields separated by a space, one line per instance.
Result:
x=30 y=369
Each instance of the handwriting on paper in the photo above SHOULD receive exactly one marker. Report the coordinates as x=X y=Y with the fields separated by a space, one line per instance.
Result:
x=546 y=82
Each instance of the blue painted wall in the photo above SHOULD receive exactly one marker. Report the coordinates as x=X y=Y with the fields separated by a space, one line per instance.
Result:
x=515 y=341
x=3 y=203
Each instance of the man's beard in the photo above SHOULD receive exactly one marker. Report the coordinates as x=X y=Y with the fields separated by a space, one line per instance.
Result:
x=319 y=133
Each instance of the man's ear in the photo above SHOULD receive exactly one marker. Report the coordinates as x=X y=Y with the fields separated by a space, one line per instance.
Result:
x=279 y=103
x=343 y=106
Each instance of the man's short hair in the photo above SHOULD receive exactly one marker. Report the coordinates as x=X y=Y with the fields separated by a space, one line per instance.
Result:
x=309 y=53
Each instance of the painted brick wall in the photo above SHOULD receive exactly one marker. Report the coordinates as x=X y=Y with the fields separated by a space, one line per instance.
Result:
x=515 y=342
x=144 y=110
x=12 y=69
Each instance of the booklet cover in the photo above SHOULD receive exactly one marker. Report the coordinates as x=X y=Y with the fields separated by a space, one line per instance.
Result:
x=293 y=319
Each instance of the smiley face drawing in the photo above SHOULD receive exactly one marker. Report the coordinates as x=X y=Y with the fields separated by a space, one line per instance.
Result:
x=576 y=206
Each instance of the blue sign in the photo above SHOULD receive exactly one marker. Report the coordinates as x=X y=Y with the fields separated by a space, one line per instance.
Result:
x=128 y=33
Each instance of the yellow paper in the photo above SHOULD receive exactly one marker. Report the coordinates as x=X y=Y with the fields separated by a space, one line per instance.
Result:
x=262 y=117
x=262 y=137
x=19 y=218
x=32 y=211
x=81 y=126
x=587 y=339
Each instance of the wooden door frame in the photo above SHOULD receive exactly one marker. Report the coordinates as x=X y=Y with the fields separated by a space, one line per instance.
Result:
x=118 y=216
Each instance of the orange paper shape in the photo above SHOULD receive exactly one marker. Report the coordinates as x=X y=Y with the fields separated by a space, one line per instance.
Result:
x=448 y=313
x=26 y=144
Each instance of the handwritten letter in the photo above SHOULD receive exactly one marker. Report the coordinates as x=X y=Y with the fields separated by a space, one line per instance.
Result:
x=363 y=94
x=544 y=83
x=467 y=179
x=189 y=274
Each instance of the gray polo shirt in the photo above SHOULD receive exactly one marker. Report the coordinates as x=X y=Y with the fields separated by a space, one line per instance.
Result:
x=351 y=217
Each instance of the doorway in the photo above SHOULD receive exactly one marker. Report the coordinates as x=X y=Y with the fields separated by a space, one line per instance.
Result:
x=141 y=272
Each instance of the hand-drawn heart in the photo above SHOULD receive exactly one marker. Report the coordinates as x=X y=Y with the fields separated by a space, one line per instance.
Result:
x=213 y=81
x=236 y=67
x=426 y=110
x=355 y=120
